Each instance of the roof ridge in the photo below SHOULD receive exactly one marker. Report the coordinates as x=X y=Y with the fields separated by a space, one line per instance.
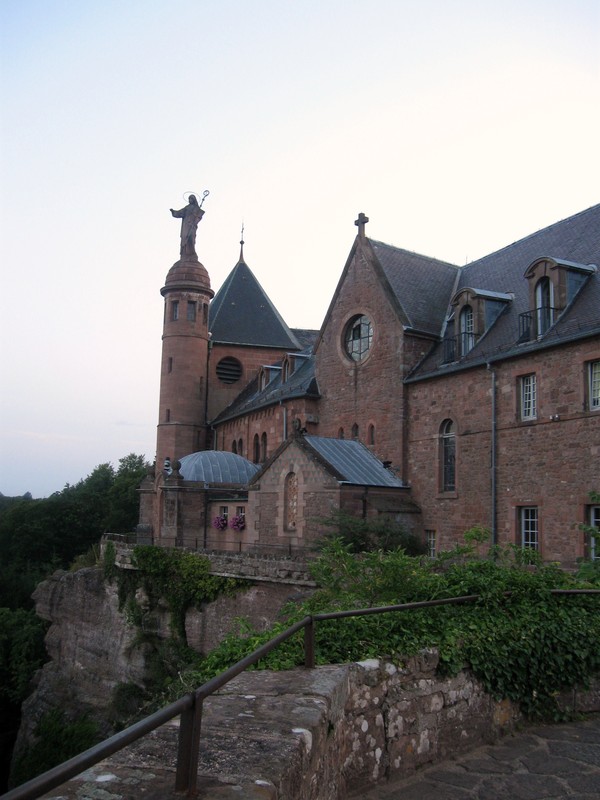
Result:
x=414 y=253
x=529 y=236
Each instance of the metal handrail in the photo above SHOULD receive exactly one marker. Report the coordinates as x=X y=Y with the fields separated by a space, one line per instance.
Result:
x=190 y=705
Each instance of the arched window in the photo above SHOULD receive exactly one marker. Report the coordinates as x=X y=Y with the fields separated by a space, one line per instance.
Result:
x=240 y=447
x=543 y=305
x=256 y=449
x=371 y=434
x=290 y=501
x=341 y=433
x=234 y=446
x=467 y=330
x=263 y=447
x=355 y=431
x=447 y=456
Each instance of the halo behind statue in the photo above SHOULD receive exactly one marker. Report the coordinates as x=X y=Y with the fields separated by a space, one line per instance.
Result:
x=205 y=193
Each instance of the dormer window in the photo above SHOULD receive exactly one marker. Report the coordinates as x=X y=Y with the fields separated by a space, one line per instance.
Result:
x=266 y=375
x=544 y=306
x=553 y=284
x=288 y=366
x=474 y=313
x=467 y=330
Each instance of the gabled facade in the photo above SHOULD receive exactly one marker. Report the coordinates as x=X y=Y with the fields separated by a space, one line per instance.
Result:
x=478 y=387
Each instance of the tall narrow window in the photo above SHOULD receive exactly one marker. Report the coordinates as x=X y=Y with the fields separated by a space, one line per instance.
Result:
x=529 y=527
x=467 y=330
x=594 y=545
x=341 y=433
x=234 y=446
x=256 y=449
x=543 y=305
x=594 y=386
x=175 y=310
x=290 y=501
x=371 y=434
x=240 y=447
x=191 y=311
x=355 y=431
x=528 y=397
x=431 y=548
x=170 y=364
x=448 y=456
x=263 y=448
x=168 y=415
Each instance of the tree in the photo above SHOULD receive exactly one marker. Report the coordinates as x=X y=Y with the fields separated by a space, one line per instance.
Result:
x=123 y=496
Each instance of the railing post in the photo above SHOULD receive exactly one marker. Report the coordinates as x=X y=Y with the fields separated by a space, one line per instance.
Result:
x=188 y=750
x=309 y=644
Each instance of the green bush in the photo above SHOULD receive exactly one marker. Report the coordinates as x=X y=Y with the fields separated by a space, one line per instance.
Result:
x=371 y=533
x=57 y=739
x=526 y=646
x=180 y=579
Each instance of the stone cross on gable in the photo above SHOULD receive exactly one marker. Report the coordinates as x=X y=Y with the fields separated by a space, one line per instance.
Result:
x=360 y=223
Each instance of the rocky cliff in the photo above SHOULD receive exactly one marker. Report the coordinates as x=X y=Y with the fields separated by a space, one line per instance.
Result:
x=93 y=646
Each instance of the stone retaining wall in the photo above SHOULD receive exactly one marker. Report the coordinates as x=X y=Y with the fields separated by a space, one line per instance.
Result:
x=255 y=567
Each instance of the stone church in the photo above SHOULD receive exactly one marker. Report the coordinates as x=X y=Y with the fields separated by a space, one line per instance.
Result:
x=440 y=396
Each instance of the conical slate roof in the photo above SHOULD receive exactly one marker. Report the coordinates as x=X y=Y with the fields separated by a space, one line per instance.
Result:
x=242 y=314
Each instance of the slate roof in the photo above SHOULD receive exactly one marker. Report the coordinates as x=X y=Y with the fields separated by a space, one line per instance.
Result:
x=306 y=336
x=217 y=466
x=576 y=239
x=301 y=383
x=420 y=284
x=352 y=462
x=241 y=313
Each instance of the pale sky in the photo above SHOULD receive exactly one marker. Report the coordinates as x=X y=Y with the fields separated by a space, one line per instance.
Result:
x=457 y=127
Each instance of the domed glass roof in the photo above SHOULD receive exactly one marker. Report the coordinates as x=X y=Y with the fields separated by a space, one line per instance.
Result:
x=217 y=466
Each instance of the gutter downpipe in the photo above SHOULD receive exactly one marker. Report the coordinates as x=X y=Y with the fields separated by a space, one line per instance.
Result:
x=493 y=456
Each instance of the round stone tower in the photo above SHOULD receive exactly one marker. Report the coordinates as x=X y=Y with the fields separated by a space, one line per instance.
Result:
x=182 y=425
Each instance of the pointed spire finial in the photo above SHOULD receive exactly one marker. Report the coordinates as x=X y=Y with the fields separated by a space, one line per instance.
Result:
x=242 y=244
x=360 y=224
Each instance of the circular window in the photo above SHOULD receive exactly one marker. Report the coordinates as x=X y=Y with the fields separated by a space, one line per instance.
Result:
x=229 y=370
x=358 y=338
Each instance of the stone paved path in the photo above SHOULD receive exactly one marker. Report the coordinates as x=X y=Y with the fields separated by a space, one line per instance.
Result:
x=548 y=762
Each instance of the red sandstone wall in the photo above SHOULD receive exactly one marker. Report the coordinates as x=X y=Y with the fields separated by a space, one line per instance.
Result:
x=318 y=496
x=270 y=421
x=370 y=392
x=549 y=463
x=251 y=358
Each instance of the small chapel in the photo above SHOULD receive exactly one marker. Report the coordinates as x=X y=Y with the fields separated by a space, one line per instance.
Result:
x=441 y=397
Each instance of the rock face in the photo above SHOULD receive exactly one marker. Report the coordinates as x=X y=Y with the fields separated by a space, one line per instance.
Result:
x=93 y=647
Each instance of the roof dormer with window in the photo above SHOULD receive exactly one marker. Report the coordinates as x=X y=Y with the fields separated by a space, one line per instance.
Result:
x=266 y=374
x=553 y=284
x=474 y=313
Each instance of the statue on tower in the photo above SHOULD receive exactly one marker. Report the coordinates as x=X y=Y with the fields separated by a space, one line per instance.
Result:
x=190 y=217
